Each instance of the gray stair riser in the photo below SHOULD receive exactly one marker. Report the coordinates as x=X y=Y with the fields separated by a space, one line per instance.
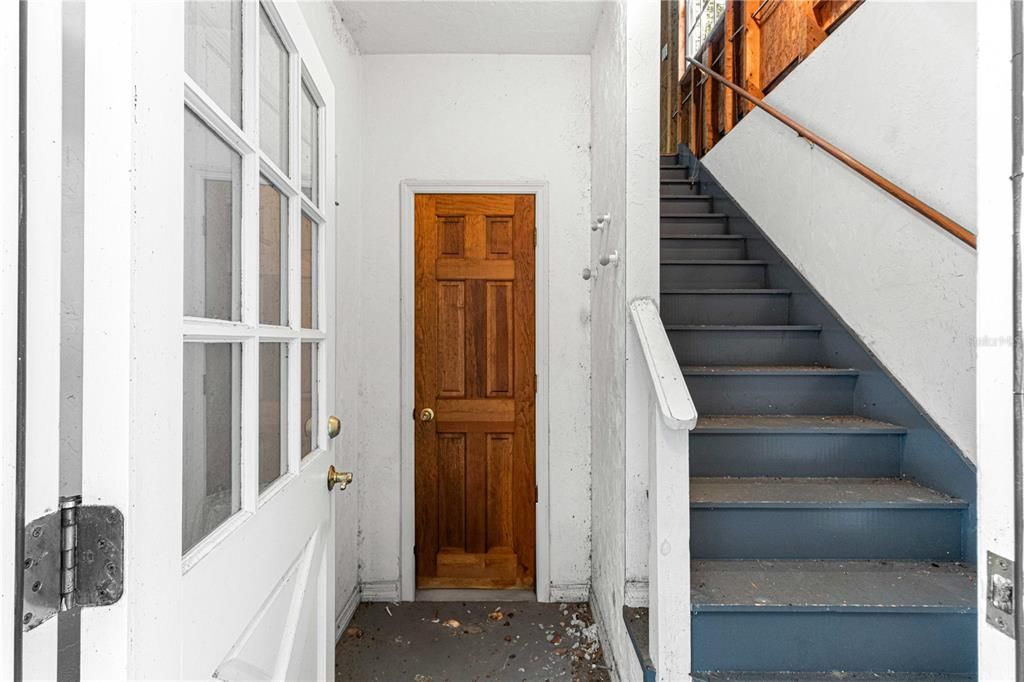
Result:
x=685 y=206
x=815 y=641
x=725 y=308
x=670 y=160
x=694 y=276
x=704 y=249
x=821 y=532
x=773 y=347
x=822 y=455
x=675 y=173
x=680 y=189
x=695 y=225
x=772 y=394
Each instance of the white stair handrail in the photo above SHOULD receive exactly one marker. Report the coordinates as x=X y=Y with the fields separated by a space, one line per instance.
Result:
x=668 y=497
x=674 y=401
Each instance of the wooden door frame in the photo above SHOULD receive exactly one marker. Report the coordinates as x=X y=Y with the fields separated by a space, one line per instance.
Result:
x=407 y=249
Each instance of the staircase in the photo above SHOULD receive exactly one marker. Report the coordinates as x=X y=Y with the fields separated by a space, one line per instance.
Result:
x=813 y=551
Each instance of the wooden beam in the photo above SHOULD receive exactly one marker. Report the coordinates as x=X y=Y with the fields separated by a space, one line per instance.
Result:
x=751 y=53
x=709 y=113
x=727 y=64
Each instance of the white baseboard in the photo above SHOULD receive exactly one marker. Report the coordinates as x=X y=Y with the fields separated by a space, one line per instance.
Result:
x=572 y=592
x=637 y=593
x=606 y=643
x=346 y=612
x=381 y=590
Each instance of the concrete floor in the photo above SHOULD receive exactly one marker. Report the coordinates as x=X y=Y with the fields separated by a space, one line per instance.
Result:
x=438 y=641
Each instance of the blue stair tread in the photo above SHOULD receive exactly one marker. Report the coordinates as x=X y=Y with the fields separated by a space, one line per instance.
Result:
x=743 y=327
x=809 y=585
x=785 y=423
x=767 y=370
x=837 y=676
x=678 y=181
x=711 y=261
x=790 y=493
x=698 y=237
x=726 y=291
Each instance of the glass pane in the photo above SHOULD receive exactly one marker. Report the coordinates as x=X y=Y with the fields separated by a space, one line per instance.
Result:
x=273 y=255
x=210 y=438
x=213 y=52
x=273 y=94
x=213 y=220
x=309 y=273
x=310 y=146
x=308 y=398
x=273 y=412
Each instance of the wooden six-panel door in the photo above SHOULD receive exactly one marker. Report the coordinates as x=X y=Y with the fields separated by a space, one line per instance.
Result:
x=475 y=390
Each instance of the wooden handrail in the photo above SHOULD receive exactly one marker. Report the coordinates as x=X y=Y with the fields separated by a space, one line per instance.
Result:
x=937 y=217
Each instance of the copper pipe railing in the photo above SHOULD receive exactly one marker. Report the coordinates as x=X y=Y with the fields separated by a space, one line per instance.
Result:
x=937 y=217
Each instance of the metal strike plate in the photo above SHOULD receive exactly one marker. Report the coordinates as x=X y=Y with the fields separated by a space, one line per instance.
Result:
x=100 y=579
x=42 y=571
x=999 y=595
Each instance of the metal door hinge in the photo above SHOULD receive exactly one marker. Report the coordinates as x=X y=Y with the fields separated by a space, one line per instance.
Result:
x=1000 y=595
x=73 y=558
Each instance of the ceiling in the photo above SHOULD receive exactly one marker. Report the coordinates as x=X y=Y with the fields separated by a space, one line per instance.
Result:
x=472 y=26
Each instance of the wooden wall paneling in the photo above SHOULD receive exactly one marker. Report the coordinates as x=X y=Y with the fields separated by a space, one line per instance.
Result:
x=829 y=13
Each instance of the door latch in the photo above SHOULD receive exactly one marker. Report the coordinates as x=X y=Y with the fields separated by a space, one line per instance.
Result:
x=999 y=595
x=74 y=557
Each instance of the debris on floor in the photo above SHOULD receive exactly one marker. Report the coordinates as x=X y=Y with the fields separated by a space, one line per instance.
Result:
x=464 y=641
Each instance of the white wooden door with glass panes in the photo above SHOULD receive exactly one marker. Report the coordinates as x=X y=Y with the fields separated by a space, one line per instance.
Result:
x=256 y=526
x=207 y=334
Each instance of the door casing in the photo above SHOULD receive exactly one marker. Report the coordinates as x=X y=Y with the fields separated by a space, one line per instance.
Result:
x=407 y=251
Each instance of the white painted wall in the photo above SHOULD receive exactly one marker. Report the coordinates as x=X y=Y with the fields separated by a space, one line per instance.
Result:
x=462 y=118
x=905 y=106
x=625 y=87
x=345 y=67
x=995 y=322
x=608 y=333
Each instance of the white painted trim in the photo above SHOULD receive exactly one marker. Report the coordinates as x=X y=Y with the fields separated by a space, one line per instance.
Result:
x=407 y=245
x=637 y=593
x=604 y=635
x=380 y=590
x=348 y=609
x=570 y=592
x=10 y=41
x=674 y=401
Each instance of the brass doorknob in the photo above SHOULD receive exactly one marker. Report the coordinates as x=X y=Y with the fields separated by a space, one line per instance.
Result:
x=333 y=426
x=338 y=478
x=426 y=415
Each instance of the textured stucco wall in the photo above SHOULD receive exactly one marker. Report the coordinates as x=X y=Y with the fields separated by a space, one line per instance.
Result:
x=906 y=108
x=485 y=118
x=343 y=63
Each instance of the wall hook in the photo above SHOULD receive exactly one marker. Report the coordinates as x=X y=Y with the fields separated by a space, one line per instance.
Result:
x=610 y=259
x=602 y=222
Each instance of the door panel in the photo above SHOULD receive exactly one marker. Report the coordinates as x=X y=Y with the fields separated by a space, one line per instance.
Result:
x=475 y=368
